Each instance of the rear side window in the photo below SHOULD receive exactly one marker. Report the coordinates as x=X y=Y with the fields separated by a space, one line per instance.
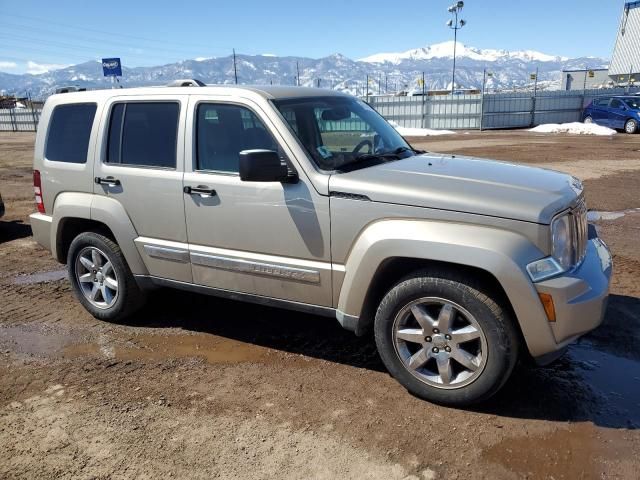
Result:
x=601 y=102
x=69 y=131
x=144 y=134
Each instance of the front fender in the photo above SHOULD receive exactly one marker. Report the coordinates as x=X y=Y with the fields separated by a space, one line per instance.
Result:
x=502 y=253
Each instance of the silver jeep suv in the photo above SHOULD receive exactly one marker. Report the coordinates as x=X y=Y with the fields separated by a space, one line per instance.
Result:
x=308 y=199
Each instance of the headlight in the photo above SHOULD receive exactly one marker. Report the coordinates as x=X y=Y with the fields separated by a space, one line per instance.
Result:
x=562 y=252
x=562 y=242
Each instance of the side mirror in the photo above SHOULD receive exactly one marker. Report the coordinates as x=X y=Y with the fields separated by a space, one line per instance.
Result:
x=262 y=166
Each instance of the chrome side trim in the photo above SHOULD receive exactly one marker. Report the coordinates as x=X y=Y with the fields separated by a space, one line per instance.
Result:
x=239 y=296
x=166 y=253
x=257 y=268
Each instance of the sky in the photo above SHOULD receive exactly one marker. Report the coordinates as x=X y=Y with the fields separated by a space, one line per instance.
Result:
x=36 y=36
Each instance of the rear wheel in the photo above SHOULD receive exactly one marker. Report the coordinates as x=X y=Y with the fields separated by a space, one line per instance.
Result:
x=588 y=119
x=101 y=279
x=444 y=340
x=631 y=126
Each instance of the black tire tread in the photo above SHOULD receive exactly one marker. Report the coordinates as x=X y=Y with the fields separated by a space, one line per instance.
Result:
x=470 y=288
x=131 y=297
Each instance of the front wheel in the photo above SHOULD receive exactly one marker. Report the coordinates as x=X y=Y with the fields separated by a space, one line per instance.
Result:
x=101 y=279
x=444 y=340
x=588 y=119
x=631 y=126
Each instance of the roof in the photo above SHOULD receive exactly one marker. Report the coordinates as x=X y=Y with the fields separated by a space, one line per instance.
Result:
x=268 y=91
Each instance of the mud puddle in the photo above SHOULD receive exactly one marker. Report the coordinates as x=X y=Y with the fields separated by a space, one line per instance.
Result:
x=615 y=382
x=41 y=277
x=210 y=348
x=38 y=342
x=571 y=453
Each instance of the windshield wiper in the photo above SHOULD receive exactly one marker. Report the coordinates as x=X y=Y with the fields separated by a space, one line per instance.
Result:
x=392 y=154
x=372 y=157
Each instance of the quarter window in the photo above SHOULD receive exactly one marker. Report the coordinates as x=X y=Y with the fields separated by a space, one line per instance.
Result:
x=144 y=134
x=69 y=132
x=223 y=131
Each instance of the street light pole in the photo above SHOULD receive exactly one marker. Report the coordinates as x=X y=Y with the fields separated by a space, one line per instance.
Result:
x=455 y=24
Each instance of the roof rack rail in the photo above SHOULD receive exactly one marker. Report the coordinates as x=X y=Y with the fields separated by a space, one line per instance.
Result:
x=186 y=82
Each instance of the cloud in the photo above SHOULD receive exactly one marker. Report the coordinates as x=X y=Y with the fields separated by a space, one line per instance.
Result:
x=4 y=64
x=37 y=68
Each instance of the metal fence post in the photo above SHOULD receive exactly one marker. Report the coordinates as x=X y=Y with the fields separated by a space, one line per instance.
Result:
x=14 y=124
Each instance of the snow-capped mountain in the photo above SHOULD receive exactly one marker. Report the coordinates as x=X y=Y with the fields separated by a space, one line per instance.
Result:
x=388 y=72
x=445 y=50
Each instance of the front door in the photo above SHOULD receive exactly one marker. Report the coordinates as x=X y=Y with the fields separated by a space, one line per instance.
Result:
x=141 y=168
x=617 y=114
x=267 y=239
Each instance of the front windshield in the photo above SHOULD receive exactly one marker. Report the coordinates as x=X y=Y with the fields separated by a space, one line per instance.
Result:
x=342 y=132
x=633 y=103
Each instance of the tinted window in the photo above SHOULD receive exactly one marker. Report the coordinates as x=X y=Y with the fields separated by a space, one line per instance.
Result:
x=615 y=103
x=223 y=131
x=143 y=134
x=601 y=102
x=69 y=131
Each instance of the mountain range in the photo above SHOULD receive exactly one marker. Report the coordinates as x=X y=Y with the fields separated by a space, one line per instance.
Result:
x=386 y=71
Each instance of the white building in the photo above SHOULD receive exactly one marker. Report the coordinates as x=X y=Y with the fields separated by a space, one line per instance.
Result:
x=585 y=79
x=625 y=64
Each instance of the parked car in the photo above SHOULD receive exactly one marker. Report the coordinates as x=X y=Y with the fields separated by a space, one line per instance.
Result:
x=620 y=113
x=308 y=199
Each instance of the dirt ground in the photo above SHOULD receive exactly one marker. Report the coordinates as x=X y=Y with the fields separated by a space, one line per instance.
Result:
x=198 y=387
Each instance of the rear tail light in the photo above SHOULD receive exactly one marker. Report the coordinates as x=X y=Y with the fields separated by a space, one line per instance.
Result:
x=37 y=189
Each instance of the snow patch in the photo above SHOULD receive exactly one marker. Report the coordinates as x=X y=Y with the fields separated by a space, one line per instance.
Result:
x=574 y=128
x=419 y=132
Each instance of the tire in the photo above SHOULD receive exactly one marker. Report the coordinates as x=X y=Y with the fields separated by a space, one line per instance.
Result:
x=588 y=119
x=631 y=126
x=490 y=356
x=103 y=283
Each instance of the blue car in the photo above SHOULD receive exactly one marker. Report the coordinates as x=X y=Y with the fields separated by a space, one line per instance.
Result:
x=620 y=113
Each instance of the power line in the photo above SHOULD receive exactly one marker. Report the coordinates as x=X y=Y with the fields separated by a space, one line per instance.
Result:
x=111 y=34
x=112 y=40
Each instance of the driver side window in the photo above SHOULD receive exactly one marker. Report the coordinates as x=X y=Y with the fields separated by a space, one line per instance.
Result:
x=223 y=131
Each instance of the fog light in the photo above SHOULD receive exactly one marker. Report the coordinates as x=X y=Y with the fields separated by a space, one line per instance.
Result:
x=547 y=303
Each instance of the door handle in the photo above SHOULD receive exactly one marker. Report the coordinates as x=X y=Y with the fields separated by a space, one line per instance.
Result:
x=112 y=182
x=202 y=190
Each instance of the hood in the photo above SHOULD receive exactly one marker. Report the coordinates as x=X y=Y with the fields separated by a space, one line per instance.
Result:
x=464 y=184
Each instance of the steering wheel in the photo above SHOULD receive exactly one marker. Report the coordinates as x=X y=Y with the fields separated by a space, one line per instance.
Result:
x=359 y=146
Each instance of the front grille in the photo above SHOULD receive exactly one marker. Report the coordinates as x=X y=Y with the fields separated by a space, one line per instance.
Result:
x=580 y=229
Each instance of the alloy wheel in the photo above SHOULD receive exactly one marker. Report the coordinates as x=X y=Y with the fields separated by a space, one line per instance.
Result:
x=440 y=343
x=96 y=277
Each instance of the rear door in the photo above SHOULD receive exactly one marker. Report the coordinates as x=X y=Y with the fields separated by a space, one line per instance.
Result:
x=600 y=108
x=140 y=165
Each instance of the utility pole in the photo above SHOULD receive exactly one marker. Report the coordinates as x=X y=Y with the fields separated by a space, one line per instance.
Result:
x=386 y=84
x=235 y=69
x=297 y=74
x=367 y=95
x=455 y=25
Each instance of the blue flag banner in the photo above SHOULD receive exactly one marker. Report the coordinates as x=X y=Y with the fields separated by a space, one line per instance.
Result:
x=111 y=67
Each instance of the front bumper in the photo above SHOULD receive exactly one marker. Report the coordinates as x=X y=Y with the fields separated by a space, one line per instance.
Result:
x=579 y=297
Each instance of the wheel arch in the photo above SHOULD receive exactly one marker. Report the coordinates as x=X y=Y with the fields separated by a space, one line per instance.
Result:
x=76 y=212
x=389 y=250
